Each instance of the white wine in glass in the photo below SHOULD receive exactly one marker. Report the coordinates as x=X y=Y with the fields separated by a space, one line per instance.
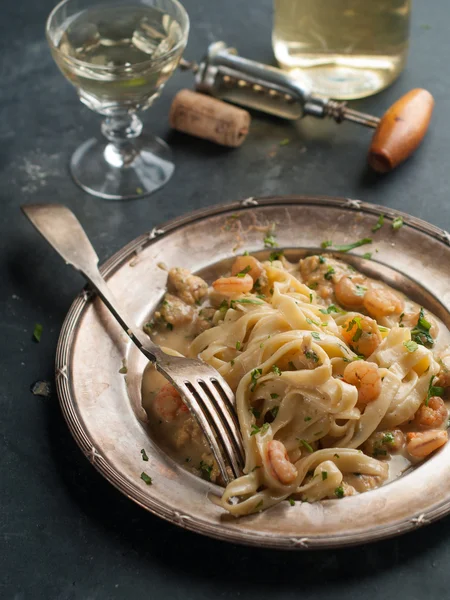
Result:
x=119 y=56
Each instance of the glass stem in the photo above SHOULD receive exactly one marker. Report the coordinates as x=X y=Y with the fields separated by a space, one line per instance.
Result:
x=121 y=131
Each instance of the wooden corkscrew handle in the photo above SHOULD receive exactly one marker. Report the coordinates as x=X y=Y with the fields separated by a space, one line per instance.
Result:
x=401 y=129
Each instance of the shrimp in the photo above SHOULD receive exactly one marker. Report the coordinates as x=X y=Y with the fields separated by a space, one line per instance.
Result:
x=365 y=376
x=350 y=291
x=361 y=334
x=233 y=286
x=383 y=443
x=189 y=288
x=282 y=467
x=433 y=415
x=422 y=444
x=168 y=404
x=175 y=311
x=410 y=319
x=248 y=264
x=382 y=302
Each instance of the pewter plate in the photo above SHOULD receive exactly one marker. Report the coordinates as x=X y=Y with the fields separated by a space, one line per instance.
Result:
x=102 y=406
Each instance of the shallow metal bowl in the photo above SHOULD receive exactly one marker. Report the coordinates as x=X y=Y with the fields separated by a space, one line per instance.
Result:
x=102 y=406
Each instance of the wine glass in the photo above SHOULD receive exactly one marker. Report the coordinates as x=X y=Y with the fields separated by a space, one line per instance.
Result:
x=118 y=55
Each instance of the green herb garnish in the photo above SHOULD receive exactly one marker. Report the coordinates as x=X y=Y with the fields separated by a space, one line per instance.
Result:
x=310 y=298
x=388 y=438
x=379 y=224
x=144 y=455
x=433 y=390
x=274 y=396
x=285 y=142
x=329 y=274
x=324 y=475
x=245 y=301
x=348 y=247
x=146 y=478
x=420 y=333
x=315 y=335
x=238 y=345
x=360 y=290
x=321 y=259
x=259 y=505
x=262 y=430
x=397 y=223
x=306 y=445
x=336 y=456
x=244 y=271
x=169 y=326
x=339 y=492
x=291 y=501
x=256 y=374
x=37 y=332
x=355 y=321
x=331 y=309
x=275 y=255
x=367 y=255
x=276 y=370
x=274 y=411
x=312 y=322
x=255 y=412
x=205 y=470
x=312 y=355
x=269 y=241
x=326 y=244
x=308 y=418
x=410 y=346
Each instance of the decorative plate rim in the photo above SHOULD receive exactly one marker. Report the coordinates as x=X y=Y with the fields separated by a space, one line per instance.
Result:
x=132 y=491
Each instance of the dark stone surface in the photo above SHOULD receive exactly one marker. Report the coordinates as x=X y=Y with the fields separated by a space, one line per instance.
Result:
x=64 y=532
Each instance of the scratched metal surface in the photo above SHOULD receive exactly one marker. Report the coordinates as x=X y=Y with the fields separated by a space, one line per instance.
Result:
x=65 y=532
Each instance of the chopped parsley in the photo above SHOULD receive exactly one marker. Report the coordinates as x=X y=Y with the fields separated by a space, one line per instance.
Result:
x=275 y=255
x=421 y=331
x=232 y=362
x=223 y=308
x=360 y=290
x=146 y=479
x=329 y=274
x=256 y=374
x=262 y=430
x=388 y=438
x=244 y=272
x=305 y=444
x=367 y=255
x=291 y=501
x=205 y=470
x=379 y=224
x=291 y=365
x=326 y=244
x=144 y=455
x=284 y=142
x=324 y=475
x=308 y=418
x=336 y=456
x=433 y=390
x=269 y=241
x=355 y=321
x=315 y=335
x=274 y=411
x=274 y=396
x=312 y=322
x=169 y=326
x=397 y=223
x=37 y=332
x=310 y=298
x=276 y=370
x=238 y=345
x=339 y=492
x=255 y=412
x=382 y=328
x=377 y=451
x=321 y=259
x=410 y=346
x=259 y=505
x=348 y=247
x=245 y=301
x=312 y=355
x=331 y=309
x=313 y=285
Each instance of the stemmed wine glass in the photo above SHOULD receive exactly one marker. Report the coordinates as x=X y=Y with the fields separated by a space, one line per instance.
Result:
x=118 y=55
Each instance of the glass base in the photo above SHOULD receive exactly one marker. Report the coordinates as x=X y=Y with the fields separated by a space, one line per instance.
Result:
x=122 y=172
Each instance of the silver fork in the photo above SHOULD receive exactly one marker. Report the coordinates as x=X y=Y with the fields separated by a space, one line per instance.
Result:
x=206 y=393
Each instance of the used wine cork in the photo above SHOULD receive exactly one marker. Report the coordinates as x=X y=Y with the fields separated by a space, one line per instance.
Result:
x=208 y=118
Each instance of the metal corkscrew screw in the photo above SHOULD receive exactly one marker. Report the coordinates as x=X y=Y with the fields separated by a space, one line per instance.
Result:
x=227 y=76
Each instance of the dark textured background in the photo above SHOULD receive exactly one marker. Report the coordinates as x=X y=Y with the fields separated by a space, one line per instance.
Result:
x=64 y=532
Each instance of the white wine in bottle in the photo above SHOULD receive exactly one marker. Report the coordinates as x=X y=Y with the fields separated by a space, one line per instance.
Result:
x=344 y=49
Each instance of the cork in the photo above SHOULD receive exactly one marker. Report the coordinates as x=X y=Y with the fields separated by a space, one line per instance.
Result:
x=208 y=118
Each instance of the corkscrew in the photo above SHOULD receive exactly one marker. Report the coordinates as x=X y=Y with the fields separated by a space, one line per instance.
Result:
x=227 y=76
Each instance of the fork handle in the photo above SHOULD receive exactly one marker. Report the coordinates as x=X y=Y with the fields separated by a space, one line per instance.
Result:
x=62 y=230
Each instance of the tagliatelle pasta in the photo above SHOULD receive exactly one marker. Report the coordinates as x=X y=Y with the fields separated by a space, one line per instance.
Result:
x=324 y=395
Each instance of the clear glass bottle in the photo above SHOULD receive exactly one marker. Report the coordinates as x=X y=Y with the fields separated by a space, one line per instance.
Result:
x=345 y=49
